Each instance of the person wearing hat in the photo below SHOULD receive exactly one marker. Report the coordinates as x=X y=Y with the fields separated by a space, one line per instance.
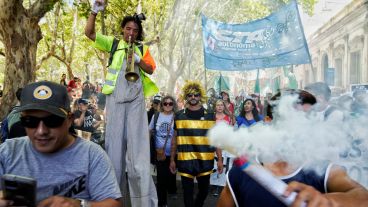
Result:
x=195 y=157
x=154 y=107
x=69 y=170
x=127 y=134
x=85 y=118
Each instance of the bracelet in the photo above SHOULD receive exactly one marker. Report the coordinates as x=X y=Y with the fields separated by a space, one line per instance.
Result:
x=93 y=13
x=84 y=203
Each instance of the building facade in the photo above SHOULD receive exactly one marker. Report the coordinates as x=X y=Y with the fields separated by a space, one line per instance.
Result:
x=339 y=50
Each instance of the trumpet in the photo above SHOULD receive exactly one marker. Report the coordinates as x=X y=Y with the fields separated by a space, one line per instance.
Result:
x=130 y=74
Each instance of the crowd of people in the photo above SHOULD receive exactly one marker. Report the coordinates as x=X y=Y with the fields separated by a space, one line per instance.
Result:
x=60 y=120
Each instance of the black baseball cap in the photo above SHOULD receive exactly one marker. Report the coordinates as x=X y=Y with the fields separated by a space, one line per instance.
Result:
x=83 y=101
x=46 y=96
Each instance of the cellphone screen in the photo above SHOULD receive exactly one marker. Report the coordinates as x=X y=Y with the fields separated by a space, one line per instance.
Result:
x=21 y=190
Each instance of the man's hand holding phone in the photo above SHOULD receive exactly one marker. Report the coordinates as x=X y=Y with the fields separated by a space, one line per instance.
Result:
x=18 y=191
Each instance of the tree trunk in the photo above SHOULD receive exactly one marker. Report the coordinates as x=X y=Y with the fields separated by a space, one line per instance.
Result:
x=20 y=34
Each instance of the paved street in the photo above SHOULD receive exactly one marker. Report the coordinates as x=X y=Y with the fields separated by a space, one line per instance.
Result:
x=210 y=201
x=178 y=202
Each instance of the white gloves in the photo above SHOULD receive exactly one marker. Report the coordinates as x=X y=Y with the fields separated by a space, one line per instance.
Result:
x=98 y=5
x=137 y=59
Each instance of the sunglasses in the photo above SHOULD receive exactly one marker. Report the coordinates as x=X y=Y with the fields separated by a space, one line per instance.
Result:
x=168 y=104
x=195 y=95
x=51 y=121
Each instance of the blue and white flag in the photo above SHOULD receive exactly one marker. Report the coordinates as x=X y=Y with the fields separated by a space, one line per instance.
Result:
x=276 y=40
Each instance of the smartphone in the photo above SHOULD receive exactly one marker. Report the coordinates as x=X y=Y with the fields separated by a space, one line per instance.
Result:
x=21 y=190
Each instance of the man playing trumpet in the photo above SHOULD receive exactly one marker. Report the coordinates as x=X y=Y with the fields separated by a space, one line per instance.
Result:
x=127 y=142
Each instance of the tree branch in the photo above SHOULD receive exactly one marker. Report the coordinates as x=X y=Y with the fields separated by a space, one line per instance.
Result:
x=41 y=7
x=44 y=58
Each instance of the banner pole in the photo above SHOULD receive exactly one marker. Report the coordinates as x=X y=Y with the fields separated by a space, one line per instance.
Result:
x=205 y=79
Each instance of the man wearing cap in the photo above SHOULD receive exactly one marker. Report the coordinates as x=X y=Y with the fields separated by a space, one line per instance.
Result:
x=154 y=107
x=85 y=118
x=69 y=171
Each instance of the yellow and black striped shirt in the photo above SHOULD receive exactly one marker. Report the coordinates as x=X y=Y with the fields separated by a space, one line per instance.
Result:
x=195 y=155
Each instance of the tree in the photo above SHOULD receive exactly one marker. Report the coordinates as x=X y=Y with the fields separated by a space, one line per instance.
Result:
x=20 y=34
x=62 y=40
x=180 y=49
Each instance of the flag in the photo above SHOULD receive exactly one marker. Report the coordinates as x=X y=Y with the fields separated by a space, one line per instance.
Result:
x=222 y=84
x=257 y=88
x=289 y=73
x=273 y=41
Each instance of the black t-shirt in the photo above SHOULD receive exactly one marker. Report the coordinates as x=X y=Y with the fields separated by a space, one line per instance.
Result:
x=195 y=115
x=87 y=122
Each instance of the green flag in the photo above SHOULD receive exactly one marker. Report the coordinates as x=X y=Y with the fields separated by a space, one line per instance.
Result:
x=222 y=84
x=257 y=88
x=289 y=73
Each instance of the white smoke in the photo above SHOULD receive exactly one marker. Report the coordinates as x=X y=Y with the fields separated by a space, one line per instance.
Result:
x=293 y=136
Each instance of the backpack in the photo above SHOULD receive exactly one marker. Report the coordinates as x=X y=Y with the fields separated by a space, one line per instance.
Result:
x=152 y=139
x=114 y=48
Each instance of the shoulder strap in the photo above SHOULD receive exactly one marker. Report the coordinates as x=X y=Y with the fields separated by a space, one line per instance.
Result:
x=168 y=131
x=114 y=47
x=157 y=114
x=140 y=47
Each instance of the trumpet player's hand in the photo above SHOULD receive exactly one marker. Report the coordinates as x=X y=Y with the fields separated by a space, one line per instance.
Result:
x=98 y=5
x=137 y=59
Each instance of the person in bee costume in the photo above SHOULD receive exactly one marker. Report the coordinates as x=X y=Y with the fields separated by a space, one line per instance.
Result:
x=126 y=85
x=195 y=157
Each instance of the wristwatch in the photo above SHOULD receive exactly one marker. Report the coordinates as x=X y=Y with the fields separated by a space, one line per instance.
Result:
x=84 y=203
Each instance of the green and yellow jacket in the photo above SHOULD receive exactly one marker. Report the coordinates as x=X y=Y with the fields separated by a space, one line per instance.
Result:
x=104 y=43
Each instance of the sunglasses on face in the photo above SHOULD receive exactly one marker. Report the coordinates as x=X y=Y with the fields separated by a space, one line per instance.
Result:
x=168 y=104
x=195 y=95
x=51 y=121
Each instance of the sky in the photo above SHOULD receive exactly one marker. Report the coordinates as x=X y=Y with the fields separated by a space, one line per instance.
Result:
x=323 y=12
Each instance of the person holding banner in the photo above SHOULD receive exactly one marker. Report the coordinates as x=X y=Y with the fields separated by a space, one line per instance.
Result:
x=126 y=85
x=330 y=189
